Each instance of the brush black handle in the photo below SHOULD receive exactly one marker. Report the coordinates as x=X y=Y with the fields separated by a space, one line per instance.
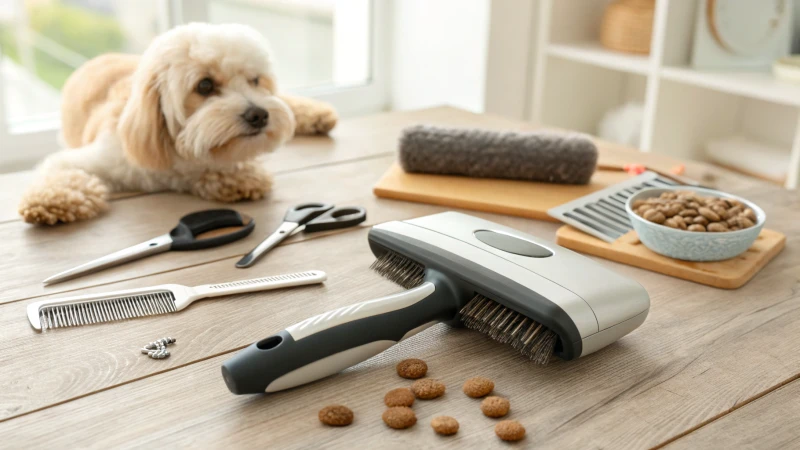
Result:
x=328 y=343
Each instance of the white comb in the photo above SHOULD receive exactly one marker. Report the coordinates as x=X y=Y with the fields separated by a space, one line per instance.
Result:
x=149 y=301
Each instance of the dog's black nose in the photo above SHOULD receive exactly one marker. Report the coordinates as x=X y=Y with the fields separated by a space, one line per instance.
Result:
x=256 y=117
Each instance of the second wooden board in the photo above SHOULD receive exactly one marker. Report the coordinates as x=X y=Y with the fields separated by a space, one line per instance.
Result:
x=729 y=274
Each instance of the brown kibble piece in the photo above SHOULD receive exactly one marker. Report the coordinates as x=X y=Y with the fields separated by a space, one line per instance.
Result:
x=412 y=368
x=671 y=223
x=717 y=227
x=735 y=210
x=477 y=387
x=689 y=213
x=399 y=417
x=744 y=222
x=399 y=397
x=721 y=211
x=336 y=415
x=654 y=216
x=495 y=406
x=673 y=210
x=750 y=214
x=708 y=214
x=697 y=227
x=445 y=425
x=509 y=430
x=700 y=220
x=428 y=388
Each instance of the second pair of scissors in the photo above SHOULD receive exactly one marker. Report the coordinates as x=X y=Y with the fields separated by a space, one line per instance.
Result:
x=308 y=217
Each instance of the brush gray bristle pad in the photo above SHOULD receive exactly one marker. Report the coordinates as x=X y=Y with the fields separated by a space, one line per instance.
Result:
x=566 y=158
x=403 y=271
x=86 y=313
x=507 y=326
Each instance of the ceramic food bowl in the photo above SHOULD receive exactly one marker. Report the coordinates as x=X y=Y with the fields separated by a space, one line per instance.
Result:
x=691 y=245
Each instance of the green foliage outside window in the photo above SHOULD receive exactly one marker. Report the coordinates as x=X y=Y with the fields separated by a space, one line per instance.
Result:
x=83 y=31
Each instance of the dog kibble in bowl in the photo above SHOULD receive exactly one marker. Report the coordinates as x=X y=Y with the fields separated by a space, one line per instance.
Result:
x=689 y=211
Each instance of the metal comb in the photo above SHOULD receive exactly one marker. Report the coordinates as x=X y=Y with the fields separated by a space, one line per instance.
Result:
x=149 y=301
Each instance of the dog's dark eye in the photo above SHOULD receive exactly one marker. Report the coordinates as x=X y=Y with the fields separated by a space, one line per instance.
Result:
x=205 y=86
x=255 y=81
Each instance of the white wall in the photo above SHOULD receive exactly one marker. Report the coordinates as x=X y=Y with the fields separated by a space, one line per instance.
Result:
x=439 y=50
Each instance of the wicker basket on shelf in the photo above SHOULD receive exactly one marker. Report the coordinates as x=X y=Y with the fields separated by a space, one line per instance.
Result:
x=628 y=25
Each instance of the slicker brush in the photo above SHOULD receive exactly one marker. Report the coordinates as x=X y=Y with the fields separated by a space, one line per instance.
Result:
x=539 y=298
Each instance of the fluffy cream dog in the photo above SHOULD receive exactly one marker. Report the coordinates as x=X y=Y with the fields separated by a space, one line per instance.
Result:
x=189 y=115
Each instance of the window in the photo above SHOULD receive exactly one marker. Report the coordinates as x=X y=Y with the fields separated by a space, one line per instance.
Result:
x=322 y=48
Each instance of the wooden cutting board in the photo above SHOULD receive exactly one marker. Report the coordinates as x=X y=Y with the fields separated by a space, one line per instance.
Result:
x=729 y=274
x=515 y=198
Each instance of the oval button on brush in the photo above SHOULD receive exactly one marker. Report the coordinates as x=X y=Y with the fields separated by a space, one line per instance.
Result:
x=512 y=244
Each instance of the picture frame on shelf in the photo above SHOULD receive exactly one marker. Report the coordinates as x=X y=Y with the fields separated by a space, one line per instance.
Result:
x=730 y=34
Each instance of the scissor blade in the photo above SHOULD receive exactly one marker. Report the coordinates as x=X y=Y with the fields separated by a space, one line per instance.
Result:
x=156 y=245
x=285 y=230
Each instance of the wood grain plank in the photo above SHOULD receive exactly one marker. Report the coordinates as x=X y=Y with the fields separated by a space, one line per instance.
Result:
x=700 y=351
x=33 y=253
x=352 y=139
x=628 y=249
x=766 y=423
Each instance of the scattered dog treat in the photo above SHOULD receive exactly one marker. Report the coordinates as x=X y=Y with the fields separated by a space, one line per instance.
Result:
x=509 y=430
x=428 y=388
x=399 y=417
x=336 y=415
x=444 y=425
x=686 y=210
x=399 y=397
x=412 y=368
x=495 y=406
x=477 y=387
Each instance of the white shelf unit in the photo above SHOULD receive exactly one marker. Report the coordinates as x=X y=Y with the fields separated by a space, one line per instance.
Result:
x=576 y=80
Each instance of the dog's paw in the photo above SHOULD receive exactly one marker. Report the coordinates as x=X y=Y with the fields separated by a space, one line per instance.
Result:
x=313 y=117
x=64 y=196
x=249 y=183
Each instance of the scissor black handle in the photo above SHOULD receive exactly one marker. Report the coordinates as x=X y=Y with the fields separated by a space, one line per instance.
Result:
x=184 y=236
x=340 y=217
x=306 y=212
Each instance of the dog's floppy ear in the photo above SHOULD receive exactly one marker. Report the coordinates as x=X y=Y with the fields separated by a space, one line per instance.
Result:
x=142 y=127
x=268 y=82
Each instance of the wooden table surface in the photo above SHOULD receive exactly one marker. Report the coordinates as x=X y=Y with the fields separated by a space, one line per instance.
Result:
x=709 y=367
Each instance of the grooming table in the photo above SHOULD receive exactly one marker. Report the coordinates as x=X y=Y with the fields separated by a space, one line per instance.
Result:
x=709 y=367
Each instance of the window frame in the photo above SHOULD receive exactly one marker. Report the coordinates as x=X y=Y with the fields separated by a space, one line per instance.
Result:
x=22 y=144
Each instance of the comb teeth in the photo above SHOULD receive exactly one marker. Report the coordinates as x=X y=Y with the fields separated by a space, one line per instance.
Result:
x=507 y=326
x=403 y=271
x=110 y=310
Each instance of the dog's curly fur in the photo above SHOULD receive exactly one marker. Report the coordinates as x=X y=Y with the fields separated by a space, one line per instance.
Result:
x=142 y=123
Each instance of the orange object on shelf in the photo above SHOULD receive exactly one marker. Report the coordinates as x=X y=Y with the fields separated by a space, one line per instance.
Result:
x=628 y=25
